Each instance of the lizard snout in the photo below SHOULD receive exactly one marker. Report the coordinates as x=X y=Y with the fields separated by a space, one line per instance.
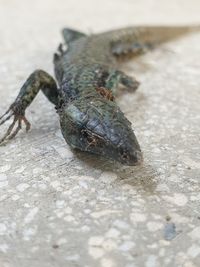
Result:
x=131 y=155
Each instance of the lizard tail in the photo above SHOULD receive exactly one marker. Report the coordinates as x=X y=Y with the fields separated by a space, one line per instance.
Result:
x=138 y=40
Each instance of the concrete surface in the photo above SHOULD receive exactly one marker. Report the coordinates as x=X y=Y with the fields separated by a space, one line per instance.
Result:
x=58 y=208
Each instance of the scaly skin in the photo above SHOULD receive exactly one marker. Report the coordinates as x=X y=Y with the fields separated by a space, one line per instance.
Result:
x=87 y=76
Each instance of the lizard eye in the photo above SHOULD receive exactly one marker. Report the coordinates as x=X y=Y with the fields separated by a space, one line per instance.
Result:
x=91 y=139
x=87 y=135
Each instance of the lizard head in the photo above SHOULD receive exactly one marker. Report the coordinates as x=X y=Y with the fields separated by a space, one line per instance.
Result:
x=98 y=126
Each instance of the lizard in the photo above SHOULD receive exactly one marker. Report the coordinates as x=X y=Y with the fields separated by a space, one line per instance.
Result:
x=87 y=76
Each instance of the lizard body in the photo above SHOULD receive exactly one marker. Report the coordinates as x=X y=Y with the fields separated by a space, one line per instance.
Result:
x=87 y=74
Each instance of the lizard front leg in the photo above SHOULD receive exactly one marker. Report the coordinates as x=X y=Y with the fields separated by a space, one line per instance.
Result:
x=36 y=81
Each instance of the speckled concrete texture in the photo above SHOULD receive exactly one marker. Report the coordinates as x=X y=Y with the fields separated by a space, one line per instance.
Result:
x=61 y=209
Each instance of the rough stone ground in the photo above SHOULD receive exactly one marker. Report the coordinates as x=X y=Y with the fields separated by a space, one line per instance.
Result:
x=58 y=208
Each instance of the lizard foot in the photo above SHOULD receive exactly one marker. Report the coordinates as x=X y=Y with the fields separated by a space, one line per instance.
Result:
x=18 y=118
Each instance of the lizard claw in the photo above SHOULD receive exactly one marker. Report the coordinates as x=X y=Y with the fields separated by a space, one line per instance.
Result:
x=18 y=118
x=3 y=119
